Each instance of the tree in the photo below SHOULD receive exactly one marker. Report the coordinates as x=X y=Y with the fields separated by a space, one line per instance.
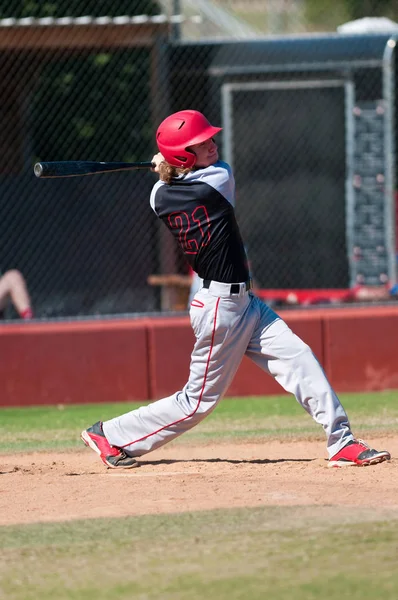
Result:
x=324 y=15
x=372 y=8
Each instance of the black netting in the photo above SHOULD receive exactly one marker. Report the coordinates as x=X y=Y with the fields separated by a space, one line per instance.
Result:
x=308 y=124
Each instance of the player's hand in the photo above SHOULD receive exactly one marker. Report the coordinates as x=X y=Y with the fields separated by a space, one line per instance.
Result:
x=156 y=160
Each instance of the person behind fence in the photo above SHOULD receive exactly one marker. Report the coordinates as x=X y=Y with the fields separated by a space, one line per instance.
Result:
x=13 y=289
x=194 y=198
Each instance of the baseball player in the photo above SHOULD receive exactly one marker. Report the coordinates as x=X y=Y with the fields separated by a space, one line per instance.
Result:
x=194 y=198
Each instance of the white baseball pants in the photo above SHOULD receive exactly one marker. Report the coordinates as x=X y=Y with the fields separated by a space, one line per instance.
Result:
x=226 y=328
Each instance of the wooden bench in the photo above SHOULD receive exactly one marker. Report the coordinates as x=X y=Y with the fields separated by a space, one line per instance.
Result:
x=174 y=290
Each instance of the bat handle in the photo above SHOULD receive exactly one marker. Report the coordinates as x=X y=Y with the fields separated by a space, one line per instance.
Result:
x=38 y=170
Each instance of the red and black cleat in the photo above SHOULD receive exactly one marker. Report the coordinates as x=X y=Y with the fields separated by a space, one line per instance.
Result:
x=112 y=456
x=358 y=454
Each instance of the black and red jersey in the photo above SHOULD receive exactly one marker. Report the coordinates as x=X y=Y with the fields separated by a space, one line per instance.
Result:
x=198 y=210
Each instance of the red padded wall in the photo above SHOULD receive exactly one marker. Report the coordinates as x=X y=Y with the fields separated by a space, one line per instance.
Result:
x=145 y=359
x=362 y=348
x=171 y=342
x=70 y=363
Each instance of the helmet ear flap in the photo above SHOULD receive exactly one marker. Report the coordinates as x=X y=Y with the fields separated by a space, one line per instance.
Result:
x=189 y=155
x=176 y=157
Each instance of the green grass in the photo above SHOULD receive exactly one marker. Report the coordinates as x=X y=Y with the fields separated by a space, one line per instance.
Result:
x=274 y=552
x=282 y=553
x=58 y=427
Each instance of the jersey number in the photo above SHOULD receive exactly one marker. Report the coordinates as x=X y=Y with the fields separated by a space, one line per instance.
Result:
x=194 y=229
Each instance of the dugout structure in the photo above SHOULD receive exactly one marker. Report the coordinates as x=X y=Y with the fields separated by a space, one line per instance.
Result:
x=310 y=129
x=75 y=240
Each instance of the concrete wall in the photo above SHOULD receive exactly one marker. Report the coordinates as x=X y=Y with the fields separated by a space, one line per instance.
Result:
x=145 y=359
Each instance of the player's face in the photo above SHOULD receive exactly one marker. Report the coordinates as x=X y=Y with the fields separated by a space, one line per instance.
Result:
x=206 y=153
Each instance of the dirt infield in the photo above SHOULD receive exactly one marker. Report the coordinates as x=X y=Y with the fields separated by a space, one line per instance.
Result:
x=43 y=487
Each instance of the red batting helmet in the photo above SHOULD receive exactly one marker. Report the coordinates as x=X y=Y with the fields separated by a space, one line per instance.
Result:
x=181 y=130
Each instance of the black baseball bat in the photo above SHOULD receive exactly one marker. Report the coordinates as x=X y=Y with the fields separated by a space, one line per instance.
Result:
x=76 y=168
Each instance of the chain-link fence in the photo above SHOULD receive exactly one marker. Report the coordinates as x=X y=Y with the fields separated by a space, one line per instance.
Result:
x=309 y=127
